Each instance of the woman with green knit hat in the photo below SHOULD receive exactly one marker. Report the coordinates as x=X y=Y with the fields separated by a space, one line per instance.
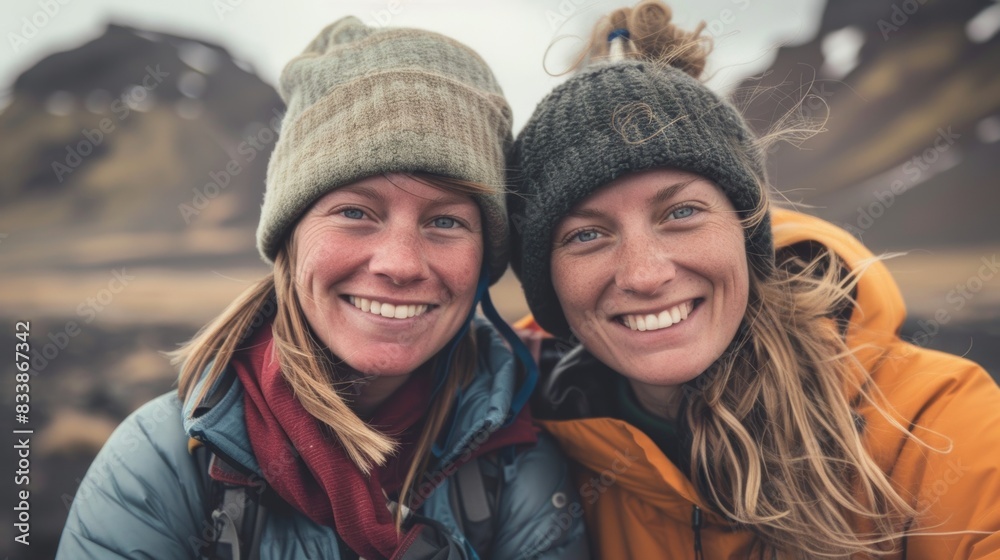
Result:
x=351 y=404
x=737 y=387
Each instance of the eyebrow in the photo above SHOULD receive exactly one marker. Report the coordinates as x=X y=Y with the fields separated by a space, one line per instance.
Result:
x=445 y=200
x=364 y=191
x=662 y=195
x=666 y=193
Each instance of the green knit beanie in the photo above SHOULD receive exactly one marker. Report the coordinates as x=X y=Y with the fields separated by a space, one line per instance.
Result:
x=364 y=101
x=607 y=121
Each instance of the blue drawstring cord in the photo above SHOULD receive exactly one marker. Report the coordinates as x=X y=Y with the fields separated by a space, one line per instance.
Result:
x=443 y=366
x=521 y=352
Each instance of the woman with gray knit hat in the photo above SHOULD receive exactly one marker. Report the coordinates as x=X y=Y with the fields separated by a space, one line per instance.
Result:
x=737 y=387
x=350 y=404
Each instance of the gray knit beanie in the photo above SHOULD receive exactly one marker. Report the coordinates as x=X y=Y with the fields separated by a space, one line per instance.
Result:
x=365 y=101
x=610 y=120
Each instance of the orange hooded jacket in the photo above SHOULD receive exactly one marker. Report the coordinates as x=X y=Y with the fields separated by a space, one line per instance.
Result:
x=638 y=505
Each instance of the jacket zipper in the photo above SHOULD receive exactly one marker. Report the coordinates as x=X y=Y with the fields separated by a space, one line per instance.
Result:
x=696 y=527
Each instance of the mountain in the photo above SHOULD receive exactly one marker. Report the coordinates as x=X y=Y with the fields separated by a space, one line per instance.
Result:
x=133 y=170
x=908 y=155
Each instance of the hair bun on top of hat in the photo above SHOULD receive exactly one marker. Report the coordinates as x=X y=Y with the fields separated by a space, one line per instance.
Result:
x=651 y=36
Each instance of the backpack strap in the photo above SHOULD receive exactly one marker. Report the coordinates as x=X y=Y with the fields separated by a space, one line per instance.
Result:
x=234 y=513
x=227 y=520
x=475 y=498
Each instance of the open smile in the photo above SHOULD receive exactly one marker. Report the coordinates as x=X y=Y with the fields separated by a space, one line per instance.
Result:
x=389 y=310
x=661 y=319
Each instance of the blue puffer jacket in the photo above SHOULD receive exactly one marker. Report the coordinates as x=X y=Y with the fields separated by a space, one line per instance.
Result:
x=143 y=496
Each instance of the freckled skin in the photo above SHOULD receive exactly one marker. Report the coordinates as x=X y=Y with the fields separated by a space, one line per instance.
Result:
x=625 y=250
x=393 y=239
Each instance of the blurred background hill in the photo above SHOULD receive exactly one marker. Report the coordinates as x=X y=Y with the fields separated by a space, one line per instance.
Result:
x=132 y=168
x=908 y=160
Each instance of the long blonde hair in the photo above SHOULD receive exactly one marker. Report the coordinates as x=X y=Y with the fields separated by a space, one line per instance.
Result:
x=776 y=444
x=309 y=369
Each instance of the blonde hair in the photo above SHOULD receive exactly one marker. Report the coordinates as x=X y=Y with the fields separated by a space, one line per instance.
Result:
x=651 y=37
x=308 y=368
x=776 y=444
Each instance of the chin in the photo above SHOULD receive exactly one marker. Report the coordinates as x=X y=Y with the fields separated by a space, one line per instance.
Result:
x=384 y=368
x=660 y=370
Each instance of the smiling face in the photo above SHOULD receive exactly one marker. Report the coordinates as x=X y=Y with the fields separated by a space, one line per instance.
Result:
x=386 y=271
x=651 y=273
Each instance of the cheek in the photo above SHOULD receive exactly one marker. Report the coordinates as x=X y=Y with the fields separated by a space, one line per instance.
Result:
x=574 y=284
x=732 y=272
x=323 y=261
x=740 y=293
x=458 y=268
x=324 y=257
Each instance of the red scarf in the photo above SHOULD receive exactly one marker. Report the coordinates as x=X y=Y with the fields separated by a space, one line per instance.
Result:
x=309 y=468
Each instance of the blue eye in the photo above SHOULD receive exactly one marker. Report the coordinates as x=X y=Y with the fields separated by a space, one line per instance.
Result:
x=682 y=212
x=353 y=214
x=585 y=236
x=445 y=222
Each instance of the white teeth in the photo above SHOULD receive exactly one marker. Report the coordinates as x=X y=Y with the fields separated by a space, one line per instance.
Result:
x=666 y=318
x=652 y=323
x=388 y=310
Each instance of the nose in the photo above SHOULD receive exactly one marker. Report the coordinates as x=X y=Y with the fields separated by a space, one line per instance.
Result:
x=644 y=265
x=400 y=256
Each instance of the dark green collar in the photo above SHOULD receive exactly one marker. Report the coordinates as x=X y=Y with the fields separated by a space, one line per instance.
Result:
x=663 y=432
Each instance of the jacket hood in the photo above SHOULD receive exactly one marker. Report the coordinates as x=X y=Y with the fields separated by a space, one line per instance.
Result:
x=879 y=311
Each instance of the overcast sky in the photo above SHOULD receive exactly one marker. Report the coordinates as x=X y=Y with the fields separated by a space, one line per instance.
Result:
x=512 y=35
